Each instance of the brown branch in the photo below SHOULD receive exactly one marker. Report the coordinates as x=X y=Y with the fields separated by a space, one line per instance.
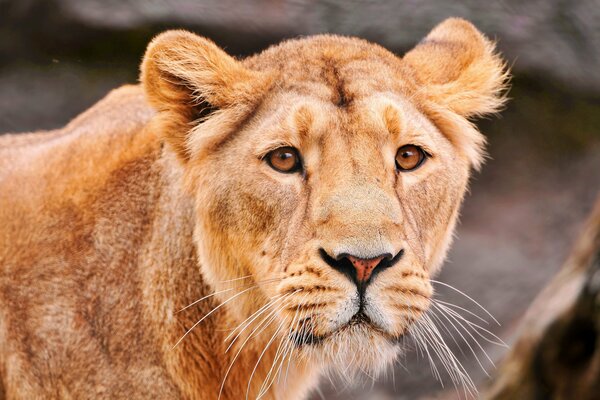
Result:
x=557 y=353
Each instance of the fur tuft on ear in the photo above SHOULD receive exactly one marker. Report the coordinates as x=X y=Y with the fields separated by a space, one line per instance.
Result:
x=186 y=78
x=457 y=68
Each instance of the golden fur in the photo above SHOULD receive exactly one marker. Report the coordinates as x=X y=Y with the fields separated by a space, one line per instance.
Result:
x=158 y=196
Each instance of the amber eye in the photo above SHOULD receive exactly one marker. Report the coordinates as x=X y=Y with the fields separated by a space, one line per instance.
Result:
x=409 y=157
x=284 y=159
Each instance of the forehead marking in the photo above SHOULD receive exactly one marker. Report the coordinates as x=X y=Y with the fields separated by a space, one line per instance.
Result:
x=331 y=74
x=303 y=119
x=391 y=118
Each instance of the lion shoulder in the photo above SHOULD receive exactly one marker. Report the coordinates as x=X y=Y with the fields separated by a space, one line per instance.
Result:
x=108 y=126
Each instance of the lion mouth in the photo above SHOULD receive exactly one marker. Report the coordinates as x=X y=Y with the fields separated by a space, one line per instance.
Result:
x=306 y=337
x=360 y=318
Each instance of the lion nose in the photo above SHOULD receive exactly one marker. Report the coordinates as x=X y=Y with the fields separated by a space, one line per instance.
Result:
x=364 y=266
x=360 y=270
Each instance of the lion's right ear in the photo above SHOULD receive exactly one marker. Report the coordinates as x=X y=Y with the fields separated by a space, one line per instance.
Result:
x=186 y=78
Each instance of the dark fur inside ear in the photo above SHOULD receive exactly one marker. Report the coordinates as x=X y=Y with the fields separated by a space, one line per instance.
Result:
x=188 y=78
x=191 y=105
x=200 y=106
x=202 y=110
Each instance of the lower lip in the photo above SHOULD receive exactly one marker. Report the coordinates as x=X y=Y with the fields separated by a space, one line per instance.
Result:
x=307 y=338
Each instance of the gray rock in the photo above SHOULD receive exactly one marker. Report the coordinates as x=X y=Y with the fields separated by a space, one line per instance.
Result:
x=557 y=38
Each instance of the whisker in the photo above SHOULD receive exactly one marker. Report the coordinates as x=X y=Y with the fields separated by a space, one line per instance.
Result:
x=282 y=350
x=320 y=393
x=272 y=280
x=204 y=298
x=459 y=375
x=468 y=297
x=430 y=337
x=291 y=345
x=293 y=326
x=267 y=382
x=212 y=311
x=237 y=279
x=262 y=390
x=249 y=321
x=443 y=325
x=439 y=352
x=460 y=308
x=261 y=356
x=266 y=321
x=476 y=328
x=421 y=343
x=467 y=342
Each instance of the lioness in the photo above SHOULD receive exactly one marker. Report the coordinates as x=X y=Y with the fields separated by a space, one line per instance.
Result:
x=233 y=228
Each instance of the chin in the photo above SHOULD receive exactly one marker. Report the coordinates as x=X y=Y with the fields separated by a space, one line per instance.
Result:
x=357 y=349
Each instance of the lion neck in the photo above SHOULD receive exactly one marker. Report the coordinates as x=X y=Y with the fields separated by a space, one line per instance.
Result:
x=172 y=279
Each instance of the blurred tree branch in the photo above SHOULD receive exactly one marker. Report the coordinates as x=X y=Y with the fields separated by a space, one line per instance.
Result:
x=557 y=354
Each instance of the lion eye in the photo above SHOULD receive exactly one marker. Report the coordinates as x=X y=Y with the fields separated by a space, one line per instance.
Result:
x=284 y=159
x=409 y=157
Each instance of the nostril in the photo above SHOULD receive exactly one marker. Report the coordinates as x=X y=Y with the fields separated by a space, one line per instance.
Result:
x=360 y=270
x=340 y=264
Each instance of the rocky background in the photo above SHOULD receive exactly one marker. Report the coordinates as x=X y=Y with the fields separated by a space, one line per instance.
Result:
x=57 y=57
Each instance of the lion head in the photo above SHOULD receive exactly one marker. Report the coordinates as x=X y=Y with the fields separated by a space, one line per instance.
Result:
x=327 y=175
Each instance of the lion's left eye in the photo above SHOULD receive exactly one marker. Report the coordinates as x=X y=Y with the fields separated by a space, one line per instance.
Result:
x=284 y=159
x=409 y=157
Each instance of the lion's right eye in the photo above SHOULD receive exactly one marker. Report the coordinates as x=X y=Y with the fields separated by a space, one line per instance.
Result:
x=284 y=159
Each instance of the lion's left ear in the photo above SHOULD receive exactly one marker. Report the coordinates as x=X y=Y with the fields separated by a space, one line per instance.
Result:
x=457 y=68
x=187 y=78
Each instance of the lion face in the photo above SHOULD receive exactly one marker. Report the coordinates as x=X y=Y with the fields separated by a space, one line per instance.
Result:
x=345 y=201
x=327 y=174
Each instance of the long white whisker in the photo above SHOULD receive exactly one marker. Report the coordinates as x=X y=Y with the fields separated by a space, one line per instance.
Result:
x=237 y=279
x=452 y=365
x=291 y=344
x=261 y=356
x=443 y=325
x=272 y=280
x=279 y=357
x=320 y=393
x=266 y=321
x=204 y=298
x=267 y=382
x=212 y=311
x=248 y=321
x=420 y=340
x=467 y=342
x=440 y=351
x=460 y=308
x=468 y=297
x=476 y=328
x=294 y=323
x=459 y=370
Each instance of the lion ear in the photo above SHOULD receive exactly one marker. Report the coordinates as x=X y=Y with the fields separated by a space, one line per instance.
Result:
x=457 y=68
x=187 y=78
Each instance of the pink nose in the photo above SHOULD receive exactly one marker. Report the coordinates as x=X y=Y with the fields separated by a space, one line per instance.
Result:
x=364 y=266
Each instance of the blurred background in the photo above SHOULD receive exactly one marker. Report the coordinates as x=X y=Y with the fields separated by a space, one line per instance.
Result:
x=523 y=212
